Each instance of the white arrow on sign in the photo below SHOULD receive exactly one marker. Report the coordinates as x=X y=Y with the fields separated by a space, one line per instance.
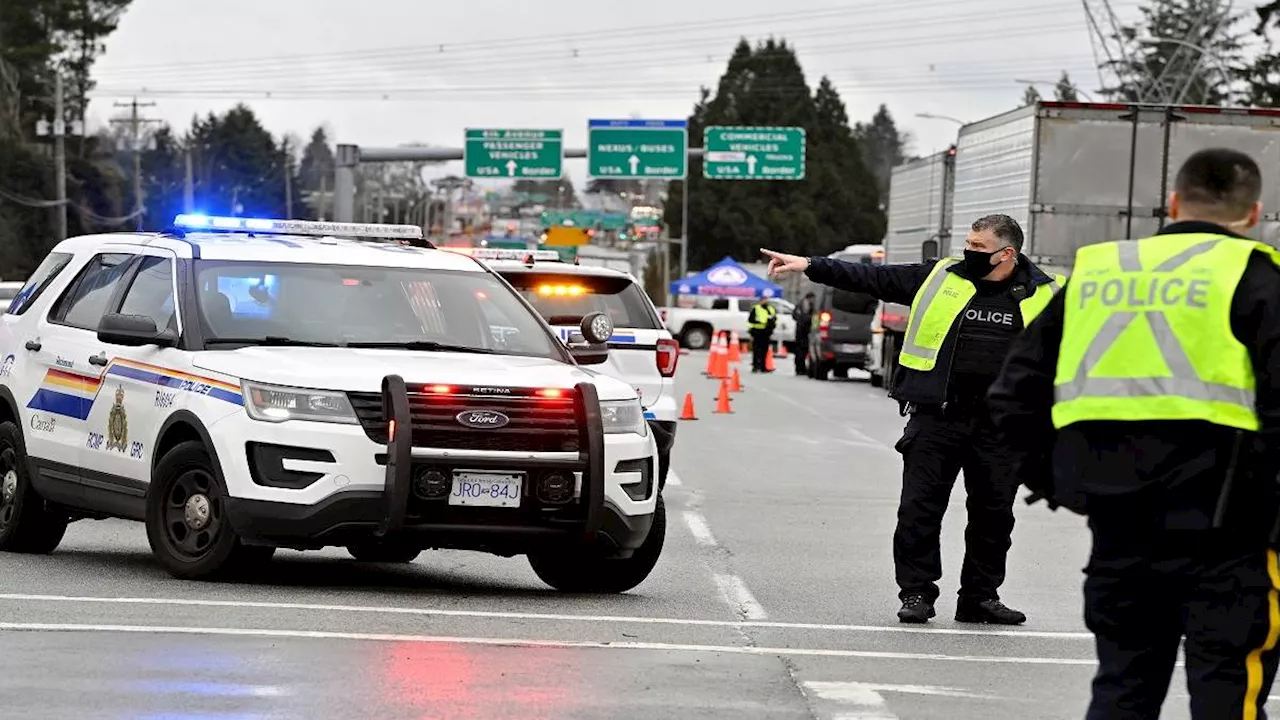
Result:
x=751 y=164
x=511 y=168
x=635 y=163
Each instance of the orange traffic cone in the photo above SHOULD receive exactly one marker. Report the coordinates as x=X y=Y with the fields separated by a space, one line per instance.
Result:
x=720 y=370
x=782 y=350
x=768 y=360
x=735 y=349
x=722 y=400
x=687 y=413
x=735 y=384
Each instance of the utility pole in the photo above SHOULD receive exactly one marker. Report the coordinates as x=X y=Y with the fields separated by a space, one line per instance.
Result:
x=288 y=180
x=134 y=124
x=60 y=154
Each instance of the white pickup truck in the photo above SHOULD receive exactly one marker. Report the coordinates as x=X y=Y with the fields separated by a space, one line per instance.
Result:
x=695 y=326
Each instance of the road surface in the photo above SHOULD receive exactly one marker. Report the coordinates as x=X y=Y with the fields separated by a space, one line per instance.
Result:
x=773 y=599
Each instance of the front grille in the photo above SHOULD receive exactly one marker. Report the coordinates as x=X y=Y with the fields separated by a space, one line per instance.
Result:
x=536 y=424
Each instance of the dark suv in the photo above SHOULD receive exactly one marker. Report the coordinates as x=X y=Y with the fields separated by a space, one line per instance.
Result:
x=840 y=335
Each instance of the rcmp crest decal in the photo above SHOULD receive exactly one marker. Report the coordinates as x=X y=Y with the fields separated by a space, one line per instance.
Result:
x=118 y=424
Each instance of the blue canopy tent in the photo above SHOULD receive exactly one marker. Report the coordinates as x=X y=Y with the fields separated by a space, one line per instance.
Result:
x=726 y=279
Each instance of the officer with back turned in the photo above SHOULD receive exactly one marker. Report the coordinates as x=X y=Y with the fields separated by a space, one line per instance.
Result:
x=1150 y=392
x=964 y=313
x=761 y=320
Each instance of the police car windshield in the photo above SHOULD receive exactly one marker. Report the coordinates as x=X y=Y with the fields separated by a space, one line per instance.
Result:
x=254 y=303
x=564 y=299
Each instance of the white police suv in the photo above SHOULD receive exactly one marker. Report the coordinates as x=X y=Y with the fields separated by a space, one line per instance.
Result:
x=240 y=385
x=642 y=352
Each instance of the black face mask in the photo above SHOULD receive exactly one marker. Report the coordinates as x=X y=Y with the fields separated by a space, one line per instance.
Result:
x=977 y=265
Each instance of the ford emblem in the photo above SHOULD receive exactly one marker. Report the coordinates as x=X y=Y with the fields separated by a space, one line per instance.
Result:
x=483 y=419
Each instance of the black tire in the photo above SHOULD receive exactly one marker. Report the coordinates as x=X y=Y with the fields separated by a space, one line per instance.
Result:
x=186 y=550
x=27 y=525
x=841 y=372
x=587 y=572
x=696 y=338
x=822 y=372
x=384 y=551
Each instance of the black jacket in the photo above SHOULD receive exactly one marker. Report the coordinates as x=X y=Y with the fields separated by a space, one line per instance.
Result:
x=899 y=284
x=1175 y=469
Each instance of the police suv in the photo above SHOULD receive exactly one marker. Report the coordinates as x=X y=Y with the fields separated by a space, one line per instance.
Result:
x=643 y=353
x=240 y=385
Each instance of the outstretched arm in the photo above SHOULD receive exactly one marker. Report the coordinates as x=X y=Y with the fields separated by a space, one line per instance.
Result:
x=891 y=283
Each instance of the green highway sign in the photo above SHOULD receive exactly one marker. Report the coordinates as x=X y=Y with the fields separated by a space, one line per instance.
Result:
x=638 y=149
x=531 y=154
x=753 y=153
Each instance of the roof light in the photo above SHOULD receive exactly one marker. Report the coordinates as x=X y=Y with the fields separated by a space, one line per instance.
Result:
x=507 y=254
x=561 y=290
x=300 y=227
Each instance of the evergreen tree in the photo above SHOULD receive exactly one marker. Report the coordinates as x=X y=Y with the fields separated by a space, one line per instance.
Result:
x=819 y=214
x=1030 y=96
x=1065 y=90
x=1164 y=64
x=315 y=176
x=882 y=146
x=239 y=168
x=1263 y=74
x=81 y=26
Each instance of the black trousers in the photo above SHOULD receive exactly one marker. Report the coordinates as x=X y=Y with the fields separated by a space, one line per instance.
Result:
x=935 y=448
x=802 y=349
x=1145 y=589
x=760 y=341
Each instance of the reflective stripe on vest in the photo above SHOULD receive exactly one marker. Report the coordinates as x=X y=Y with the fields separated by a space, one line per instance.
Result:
x=940 y=300
x=1180 y=359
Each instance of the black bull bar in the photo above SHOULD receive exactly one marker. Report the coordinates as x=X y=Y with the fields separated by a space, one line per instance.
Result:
x=397 y=413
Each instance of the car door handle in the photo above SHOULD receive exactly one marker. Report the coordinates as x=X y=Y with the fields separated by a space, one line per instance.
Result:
x=33 y=345
x=99 y=359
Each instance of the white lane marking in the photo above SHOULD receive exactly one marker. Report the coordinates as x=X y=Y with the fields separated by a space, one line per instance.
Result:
x=512 y=642
x=862 y=437
x=672 y=479
x=864 y=702
x=698 y=526
x=735 y=592
x=846 y=691
x=499 y=615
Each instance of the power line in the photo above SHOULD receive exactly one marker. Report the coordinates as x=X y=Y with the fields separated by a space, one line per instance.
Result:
x=135 y=123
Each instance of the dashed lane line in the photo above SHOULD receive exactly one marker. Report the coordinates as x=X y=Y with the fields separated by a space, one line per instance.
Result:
x=699 y=528
x=517 y=642
x=504 y=615
x=736 y=594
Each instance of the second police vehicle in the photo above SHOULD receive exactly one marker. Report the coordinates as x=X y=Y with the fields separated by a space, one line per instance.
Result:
x=642 y=354
x=240 y=385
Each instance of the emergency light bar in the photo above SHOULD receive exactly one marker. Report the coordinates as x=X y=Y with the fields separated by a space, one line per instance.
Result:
x=298 y=227
x=507 y=254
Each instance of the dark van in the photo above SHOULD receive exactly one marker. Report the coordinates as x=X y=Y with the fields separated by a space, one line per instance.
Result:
x=840 y=335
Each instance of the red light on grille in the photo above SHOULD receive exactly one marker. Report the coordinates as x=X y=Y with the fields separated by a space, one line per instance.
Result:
x=350 y=282
x=550 y=393
x=439 y=389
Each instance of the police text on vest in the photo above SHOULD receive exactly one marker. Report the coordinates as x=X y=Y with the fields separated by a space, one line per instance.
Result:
x=1147 y=292
x=989 y=316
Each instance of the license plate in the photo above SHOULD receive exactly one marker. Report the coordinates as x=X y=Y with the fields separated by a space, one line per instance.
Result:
x=849 y=347
x=487 y=489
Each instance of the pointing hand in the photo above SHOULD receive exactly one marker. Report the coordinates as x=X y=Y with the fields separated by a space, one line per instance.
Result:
x=782 y=263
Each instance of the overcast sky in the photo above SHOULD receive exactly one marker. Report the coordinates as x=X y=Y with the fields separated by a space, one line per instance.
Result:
x=387 y=72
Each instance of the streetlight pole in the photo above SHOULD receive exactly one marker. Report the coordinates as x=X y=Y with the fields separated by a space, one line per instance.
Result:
x=930 y=116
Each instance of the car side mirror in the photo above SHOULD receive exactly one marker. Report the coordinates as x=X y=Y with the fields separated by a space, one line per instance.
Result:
x=133 y=331
x=590 y=344
x=929 y=251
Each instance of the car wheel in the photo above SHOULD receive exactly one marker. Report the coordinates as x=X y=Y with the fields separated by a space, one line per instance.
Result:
x=27 y=525
x=841 y=372
x=584 y=570
x=384 y=551
x=822 y=372
x=696 y=338
x=187 y=524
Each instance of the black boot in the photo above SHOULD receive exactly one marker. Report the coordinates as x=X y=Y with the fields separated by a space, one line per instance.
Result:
x=916 y=609
x=989 y=612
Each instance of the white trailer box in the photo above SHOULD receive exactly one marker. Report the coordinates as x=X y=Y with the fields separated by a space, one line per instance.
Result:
x=919 y=207
x=1073 y=174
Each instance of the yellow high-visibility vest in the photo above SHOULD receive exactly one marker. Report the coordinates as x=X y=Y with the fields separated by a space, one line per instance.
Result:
x=759 y=320
x=1147 y=333
x=940 y=300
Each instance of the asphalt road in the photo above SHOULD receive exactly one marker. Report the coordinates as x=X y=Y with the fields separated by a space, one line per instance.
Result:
x=774 y=599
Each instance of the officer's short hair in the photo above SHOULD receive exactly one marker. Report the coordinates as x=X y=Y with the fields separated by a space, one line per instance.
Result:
x=1005 y=228
x=1220 y=181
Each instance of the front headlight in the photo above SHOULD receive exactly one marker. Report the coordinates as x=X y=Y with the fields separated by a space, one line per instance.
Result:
x=275 y=403
x=623 y=416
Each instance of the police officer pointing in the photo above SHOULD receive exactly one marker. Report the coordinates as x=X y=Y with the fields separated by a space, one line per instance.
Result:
x=1150 y=389
x=964 y=313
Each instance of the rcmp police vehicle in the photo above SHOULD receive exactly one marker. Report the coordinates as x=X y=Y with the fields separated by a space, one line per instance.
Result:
x=642 y=352
x=240 y=385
